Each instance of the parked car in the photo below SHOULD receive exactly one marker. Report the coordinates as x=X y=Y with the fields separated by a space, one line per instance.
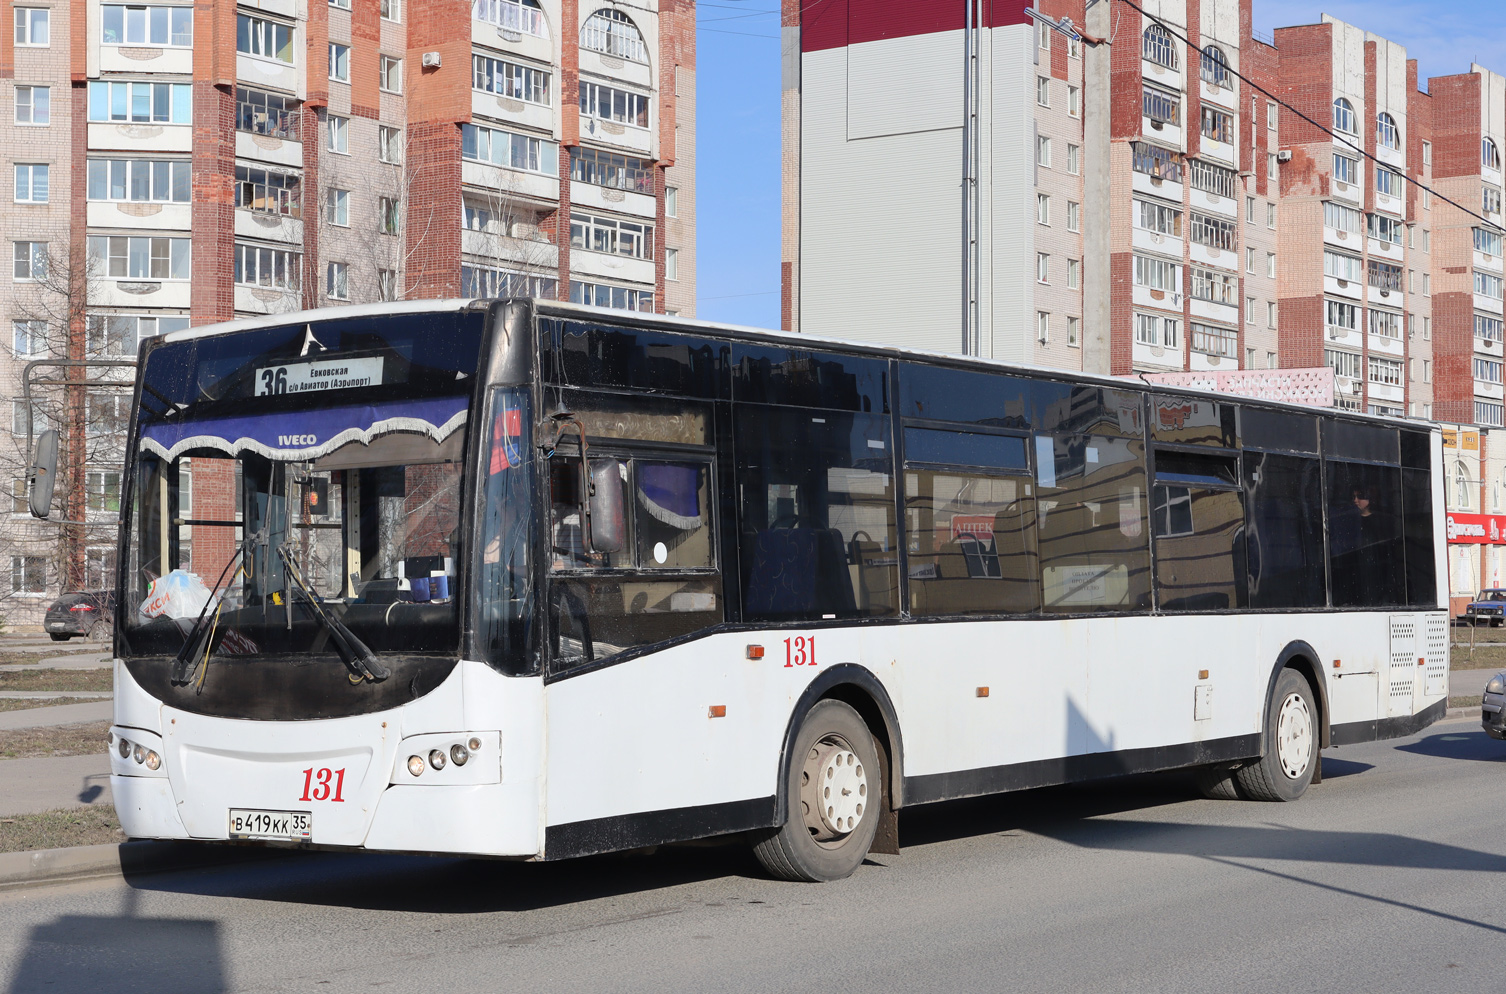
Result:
x=1489 y=606
x=1493 y=707
x=84 y=612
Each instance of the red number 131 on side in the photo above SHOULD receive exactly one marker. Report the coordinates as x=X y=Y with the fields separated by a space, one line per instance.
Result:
x=319 y=781
x=800 y=651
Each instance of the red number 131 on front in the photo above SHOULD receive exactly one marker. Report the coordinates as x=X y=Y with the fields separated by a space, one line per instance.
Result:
x=800 y=651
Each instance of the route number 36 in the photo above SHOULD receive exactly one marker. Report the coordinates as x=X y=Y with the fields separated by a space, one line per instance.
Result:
x=319 y=782
x=800 y=651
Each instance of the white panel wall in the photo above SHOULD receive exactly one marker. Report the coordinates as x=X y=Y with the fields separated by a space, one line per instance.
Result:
x=1009 y=181
x=902 y=86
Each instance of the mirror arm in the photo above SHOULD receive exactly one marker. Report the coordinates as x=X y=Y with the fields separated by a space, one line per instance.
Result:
x=561 y=421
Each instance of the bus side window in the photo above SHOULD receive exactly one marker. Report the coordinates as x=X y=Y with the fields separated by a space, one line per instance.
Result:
x=1200 y=548
x=1417 y=510
x=1284 y=531
x=1366 y=544
x=817 y=514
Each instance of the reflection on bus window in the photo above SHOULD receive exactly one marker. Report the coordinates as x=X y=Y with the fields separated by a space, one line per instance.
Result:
x=1199 y=548
x=1090 y=510
x=971 y=543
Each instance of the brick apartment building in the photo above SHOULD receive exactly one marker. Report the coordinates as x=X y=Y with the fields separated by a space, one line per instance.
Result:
x=181 y=163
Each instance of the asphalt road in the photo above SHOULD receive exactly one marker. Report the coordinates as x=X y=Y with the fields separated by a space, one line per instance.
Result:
x=1387 y=877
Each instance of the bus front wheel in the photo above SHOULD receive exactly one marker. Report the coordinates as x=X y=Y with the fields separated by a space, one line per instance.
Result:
x=833 y=791
x=1291 y=744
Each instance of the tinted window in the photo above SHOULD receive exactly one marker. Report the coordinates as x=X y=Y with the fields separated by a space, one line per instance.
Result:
x=1366 y=551
x=1416 y=449
x=1417 y=506
x=968 y=396
x=960 y=448
x=801 y=378
x=638 y=358
x=1200 y=549
x=1090 y=512
x=1196 y=468
x=971 y=543
x=1188 y=421
x=817 y=514
x=1279 y=430
x=1285 y=531
x=1367 y=443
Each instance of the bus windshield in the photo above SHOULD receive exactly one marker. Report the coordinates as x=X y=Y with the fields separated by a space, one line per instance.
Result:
x=298 y=490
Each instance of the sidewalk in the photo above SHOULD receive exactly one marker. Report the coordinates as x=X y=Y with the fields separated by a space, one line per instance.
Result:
x=62 y=714
x=31 y=785
x=1469 y=683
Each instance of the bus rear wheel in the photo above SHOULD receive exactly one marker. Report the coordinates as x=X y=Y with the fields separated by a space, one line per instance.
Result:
x=1291 y=744
x=834 y=793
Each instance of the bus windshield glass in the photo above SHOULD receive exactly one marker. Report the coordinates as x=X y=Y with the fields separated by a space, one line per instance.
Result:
x=297 y=489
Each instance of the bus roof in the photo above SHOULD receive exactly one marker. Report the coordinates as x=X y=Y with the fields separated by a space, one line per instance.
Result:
x=565 y=309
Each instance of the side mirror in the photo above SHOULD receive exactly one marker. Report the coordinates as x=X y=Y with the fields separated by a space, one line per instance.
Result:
x=44 y=473
x=608 y=515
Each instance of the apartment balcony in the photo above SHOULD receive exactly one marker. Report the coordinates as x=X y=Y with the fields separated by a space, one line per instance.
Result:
x=1341 y=336
x=284 y=8
x=1351 y=193
x=1491 y=176
x=1488 y=263
x=1490 y=347
x=1214 y=204
x=104 y=292
x=1342 y=239
x=1164 y=133
x=1490 y=305
x=1389 y=251
x=1161 y=300
x=621 y=201
x=625 y=136
x=1151 y=241
x=1226 y=97
x=266 y=300
x=266 y=148
x=1387 y=392
x=1157 y=73
x=528 y=254
x=144 y=138
x=1486 y=390
x=1382 y=345
x=1348 y=289
x=139 y=58
x=510 y=182
x=1347 y=387
x=1212 y=148
x=272 y=73
x=1394 y=206
x=1393 y=157
x=1208 y=310
x=264 y=226
x=1155 y=357
x=132 y=215
x=1210 y=256
x=616 y=268
x=601 y=64
x=1199 y=361
x=512 y=27
x=510 y=111
x=1165 y=189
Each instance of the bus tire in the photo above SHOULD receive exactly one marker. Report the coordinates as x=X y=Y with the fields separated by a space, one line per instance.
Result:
x=1290 y=746
x=834 y=795
x=1216 y=781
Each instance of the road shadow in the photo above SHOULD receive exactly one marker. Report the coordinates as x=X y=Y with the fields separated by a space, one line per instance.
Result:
x=86 y=953
x=1472 y=745
x=1333 y=769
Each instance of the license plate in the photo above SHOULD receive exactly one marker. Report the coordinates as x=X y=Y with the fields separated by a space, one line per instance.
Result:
x=56 y=624
x=286 y=826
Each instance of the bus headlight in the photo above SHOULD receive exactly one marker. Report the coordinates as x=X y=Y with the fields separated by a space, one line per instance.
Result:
x=153 y=761
x=459 y=754
x=140 y=755
x=436 y=758
x=416 y=765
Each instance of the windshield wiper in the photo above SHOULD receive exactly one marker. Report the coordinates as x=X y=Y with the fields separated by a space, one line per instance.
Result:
x=183 y=668
x=361 y=660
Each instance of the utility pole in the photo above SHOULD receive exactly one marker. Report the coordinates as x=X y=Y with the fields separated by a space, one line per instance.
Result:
x=971 y=334
x=1096 y=312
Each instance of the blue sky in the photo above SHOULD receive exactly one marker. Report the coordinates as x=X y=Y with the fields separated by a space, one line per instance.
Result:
x=737 y=178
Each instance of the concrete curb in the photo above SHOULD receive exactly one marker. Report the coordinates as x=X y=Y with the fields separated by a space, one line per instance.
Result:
x=117 y=859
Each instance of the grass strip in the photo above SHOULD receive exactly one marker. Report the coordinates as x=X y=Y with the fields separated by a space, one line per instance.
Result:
x=59 y=681
x=28 y=703
x=60 y=829
x=1464 y=702
x=52 y=741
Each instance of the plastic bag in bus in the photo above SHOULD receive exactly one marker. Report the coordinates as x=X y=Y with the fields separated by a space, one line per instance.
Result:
x=179 y=594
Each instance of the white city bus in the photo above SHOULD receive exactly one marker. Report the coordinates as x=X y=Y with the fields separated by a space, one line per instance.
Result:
x=523 y=579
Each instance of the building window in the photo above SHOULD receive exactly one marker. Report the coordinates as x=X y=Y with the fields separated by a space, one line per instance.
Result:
x=1488 y=242
x=339 y=62
x=1270 y=167
x=1427 y=328
x=476 y=281
x=102 y=490
x=1487 y=370
x=1270 y=314
x=337 y=207
x=607 y=103
x=1270 y=265
x=1074 y=48
x=1384 y=276
x=1156 y=162
x=1211 y=285
x=32 y=26
x=31 y=183
x=1216 y=180
x=1486 y=285
x=1158 y=274
x=1427 y=153
x=1074 y=101
x=139 y=180
x=1043 y=91
x=140 y=257
x=513 y=15
x=1386 y=324
x=1343 y=117
x=28 y=337
x=389 y=220
x=1387 y=181
x=1341 y=266
x=30 y=261
x=1074 y=274
x=1342 y=363
x=1345 y=169
x=1043 y=267
x=1385 y=131
x=1217 y=125
x=509 y=79
x=389 y=144
x=1490 y=155
x=341 y=4
x=1249 y=260
x=1249 y=310
x=390 y=74
x=1154 y=329
x=671 y=264
x=1043 y=326
x=1270 y=216
x=337 y=281
x=1270 y=114
x=339 y=134
x=612 y=32
x=386 y=284
x=1489 y=415
x=1249 y=357
x=268 y=191
x=260 y=265
x=28 y=575
x=392 y=10
x=121 y=334
x=1489 y=329
x=1073 y=330
x=156 y=27
x=1490 y=200
x=106 y=412
x=634 y=239
x=1215 y=68
x=141 y=102
x=1250 y=209
x=1158 y=47
x=1043 y=151
x=671 y=201
x=1042 y=209
x=620 y=298
x=1213 y=340
x=1074 y=159
x=1384 y=229
x=268 y=114
x=1074 y=216
x=34 y=105
x=1160 y=105
x=1341 y=218
x=263 y=38
x=615 y=172
x=1427 y=371
x=512 y=151
x=1213 y=232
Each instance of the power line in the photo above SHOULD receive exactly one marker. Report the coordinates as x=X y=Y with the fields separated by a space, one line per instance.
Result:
x=1323 y=128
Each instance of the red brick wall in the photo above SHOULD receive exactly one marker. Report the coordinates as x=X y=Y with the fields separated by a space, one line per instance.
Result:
x=439 y=100
x=365 y=39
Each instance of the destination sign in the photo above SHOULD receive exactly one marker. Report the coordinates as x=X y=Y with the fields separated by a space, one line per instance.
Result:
x=323 y=374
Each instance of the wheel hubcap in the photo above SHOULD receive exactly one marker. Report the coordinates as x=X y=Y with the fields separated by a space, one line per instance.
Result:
x=834 y=790
x=1294 y=736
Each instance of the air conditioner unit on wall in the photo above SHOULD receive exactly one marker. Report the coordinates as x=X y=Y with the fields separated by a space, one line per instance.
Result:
x=431 y=60
x=1285 y=155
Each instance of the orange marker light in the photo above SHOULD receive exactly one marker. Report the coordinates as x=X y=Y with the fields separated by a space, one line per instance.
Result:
x=717 y=711
x=982 y=691
x=755 y=652
x=1202 y=674
x=1337 y=664
x=1421 y=661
